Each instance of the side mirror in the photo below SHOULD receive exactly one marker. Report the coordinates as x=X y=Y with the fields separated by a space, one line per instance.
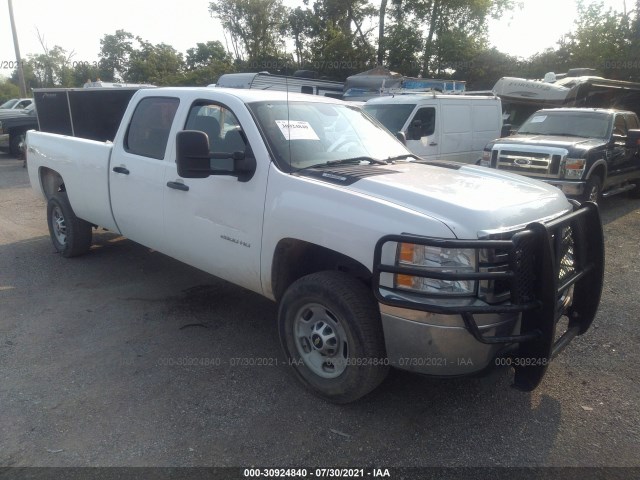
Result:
x=402 y=137
x=633 y=139
x=415 y=130
x=506 y=130
x=192 y=154
x=238 y=164
x=195 y=161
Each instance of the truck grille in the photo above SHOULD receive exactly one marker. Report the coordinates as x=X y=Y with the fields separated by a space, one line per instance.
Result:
x=529 y=163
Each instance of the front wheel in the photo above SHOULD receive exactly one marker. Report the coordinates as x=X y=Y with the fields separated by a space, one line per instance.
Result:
x=592 y=191
x=331 y=332
x=70 y=235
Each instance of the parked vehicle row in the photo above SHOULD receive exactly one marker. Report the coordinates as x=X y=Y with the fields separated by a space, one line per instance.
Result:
x=14 y=123
x=588 y=153
x=376 y=257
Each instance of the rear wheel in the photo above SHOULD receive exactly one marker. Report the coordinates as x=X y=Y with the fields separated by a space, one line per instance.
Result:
x=70 y=235
x=15 y=139
x=331 y=332
x=592 y=190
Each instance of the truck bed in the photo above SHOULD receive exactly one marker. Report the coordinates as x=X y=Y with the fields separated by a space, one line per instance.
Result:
x=84 y=165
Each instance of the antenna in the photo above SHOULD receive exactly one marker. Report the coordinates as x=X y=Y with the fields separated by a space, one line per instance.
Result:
x=286 y=82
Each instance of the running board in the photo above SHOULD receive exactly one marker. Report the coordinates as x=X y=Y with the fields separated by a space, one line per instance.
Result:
x=625 y=188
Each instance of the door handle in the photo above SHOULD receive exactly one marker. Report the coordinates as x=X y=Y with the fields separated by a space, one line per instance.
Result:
x=178 y=186
x=433 y=144
x=121 y=170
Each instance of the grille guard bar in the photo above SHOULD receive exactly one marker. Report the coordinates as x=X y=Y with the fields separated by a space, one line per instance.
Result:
x=535 y=255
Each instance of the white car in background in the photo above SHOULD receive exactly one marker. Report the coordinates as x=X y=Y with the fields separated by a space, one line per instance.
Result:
x=16 y=103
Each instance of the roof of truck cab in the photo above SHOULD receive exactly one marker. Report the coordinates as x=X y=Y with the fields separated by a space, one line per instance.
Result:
x=416 y=98
x=607 y=111
x=249 y=95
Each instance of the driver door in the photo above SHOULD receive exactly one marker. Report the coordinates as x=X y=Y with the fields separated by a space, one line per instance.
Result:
x=215 y=223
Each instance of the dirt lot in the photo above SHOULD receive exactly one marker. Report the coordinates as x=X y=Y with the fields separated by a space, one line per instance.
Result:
x=125 y=357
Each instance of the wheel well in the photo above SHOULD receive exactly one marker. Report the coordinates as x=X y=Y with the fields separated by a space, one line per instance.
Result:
x=600 y=171
x=51 y=182
x=293 y=259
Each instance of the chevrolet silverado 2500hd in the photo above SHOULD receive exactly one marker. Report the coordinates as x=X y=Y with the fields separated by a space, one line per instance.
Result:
x=377 y=259
x=587 y=152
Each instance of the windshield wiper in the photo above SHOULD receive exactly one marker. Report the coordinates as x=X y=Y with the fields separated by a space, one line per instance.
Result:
x=347 y=161
x=400 y=157
x=564 y=134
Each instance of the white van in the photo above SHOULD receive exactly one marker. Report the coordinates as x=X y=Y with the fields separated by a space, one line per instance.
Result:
x=441 y=127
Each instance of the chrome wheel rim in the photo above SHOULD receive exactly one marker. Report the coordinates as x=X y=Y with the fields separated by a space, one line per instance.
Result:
x=321 y=340
x=59 y=226
x=594 y=193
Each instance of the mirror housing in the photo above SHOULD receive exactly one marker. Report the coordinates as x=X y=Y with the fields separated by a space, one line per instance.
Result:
x=505 y=131
x=415 y=130
x=633 y=139
x=192 y=154
x=402 y=137
x=194 y=160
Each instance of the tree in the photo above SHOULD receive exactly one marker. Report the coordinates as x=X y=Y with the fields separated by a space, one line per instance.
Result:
x=601 y=40
x=341 y=42
x=454 y=31
x=115 y=51
x=255 y=27
x=157 y=64
x=300 y=24
x=205 y=63
x=8 y=90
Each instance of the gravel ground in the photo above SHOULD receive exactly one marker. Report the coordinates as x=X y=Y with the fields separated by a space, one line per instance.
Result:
x=123 y=357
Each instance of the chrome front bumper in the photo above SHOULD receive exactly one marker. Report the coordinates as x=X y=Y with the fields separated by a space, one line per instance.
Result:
x=573 y=189
x=441 y=345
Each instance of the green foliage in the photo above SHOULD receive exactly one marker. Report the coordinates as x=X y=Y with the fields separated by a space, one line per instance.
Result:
x=603 y=39
x=453 y=33
x=8 y=90
x=157 y=64
x=115 y=51
x=255 y=27
x=337 y=38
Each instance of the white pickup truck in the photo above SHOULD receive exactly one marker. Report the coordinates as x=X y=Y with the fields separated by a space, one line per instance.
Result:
x=376 y=258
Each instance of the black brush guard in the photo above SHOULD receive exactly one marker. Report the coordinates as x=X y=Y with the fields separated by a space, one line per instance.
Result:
x=537 y=278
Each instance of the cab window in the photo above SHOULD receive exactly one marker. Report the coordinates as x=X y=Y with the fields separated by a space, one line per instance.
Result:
x=220 y=124
x=619 y=126
x=150 y=125
x=423 y=123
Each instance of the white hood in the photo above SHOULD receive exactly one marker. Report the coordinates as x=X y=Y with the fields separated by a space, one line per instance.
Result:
x=469 y=199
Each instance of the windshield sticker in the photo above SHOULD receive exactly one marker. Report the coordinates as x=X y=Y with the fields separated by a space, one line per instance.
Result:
x=297 y=130
x=539 y=119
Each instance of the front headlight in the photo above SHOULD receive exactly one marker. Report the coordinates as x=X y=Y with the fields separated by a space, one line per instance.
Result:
x=485 y=161
x=573 y=168
x=439 y=261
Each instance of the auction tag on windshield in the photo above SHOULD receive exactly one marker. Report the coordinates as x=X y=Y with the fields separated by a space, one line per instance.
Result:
x=296 y=130
x=539 y=119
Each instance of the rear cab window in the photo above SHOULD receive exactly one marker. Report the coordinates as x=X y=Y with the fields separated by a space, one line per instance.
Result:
x=148 y=131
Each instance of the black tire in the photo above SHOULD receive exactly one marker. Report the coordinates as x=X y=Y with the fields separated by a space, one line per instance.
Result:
x=15 y=138
x=592 y=190
x=70 y=235
x=635 y=192
x=342 y=311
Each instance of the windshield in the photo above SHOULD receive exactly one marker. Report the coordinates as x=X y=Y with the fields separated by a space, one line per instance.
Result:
x=391 y=116
x=321 y=132
x=9 y=103
x=574 y=124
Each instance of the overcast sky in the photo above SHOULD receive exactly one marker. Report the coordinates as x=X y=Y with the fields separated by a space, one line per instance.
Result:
x=78 y=25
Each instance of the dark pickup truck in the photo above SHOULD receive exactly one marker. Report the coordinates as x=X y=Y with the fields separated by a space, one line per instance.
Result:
x=588 y=153
x=14 y=125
